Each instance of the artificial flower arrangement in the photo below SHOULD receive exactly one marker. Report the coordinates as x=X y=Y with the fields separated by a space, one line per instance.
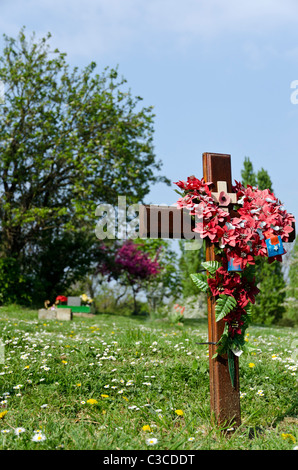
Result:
x=60 y=299
x=85 y=299
x=260 y=227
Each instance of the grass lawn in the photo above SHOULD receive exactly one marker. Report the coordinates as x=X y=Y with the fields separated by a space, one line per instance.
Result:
x=111 y=382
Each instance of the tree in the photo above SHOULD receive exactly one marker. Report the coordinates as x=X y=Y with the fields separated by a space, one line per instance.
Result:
x=264 y=180
x=269 y=306
x=292 y=287
x=190 y=263
x=69 y=140
x=129 y=265
x=166 y=285
x=247 y=174
x=143 y=265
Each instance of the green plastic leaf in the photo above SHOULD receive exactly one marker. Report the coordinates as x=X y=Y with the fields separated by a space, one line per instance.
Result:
x=211 y=266
x=199 y=282
x=224 y=305
x=179 y=192
x=231 y=366
x=248 y=309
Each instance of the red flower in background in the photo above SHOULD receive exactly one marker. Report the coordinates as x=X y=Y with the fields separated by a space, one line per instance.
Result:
x=61 y=298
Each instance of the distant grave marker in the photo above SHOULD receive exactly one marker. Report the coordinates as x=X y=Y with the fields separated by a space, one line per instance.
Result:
x=63 y=314
x=74 y=301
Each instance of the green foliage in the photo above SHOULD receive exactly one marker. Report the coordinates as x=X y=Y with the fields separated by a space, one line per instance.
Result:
x=70 y=140
x=291 y=301
x=231 y=366
x=167 y=284
x=200 y=281
x=110 y=301
x=47 y=269
x=14 y=287
x=190 y=262
x=224 y=305
x=264 y=180
x=247 y=174
x=269 y=307
x=211 y=266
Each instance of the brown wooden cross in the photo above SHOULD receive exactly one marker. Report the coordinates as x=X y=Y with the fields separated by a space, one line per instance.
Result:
x=171 y=222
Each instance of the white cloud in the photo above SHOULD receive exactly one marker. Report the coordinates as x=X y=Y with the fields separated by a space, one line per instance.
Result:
x=100 y=27
x=217 y=17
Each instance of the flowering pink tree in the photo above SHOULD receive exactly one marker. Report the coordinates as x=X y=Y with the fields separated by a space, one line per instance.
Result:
x=128 y=264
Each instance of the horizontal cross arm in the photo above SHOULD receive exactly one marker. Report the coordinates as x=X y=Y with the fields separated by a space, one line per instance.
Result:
x=171 y=222
x=166 y=222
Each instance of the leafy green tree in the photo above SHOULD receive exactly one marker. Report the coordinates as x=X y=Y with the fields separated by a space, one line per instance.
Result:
x=292 y=287
x=269 y=307
x=145 y=266
x=69 y=140
x=190 y=263
x=264 y=180
x=166 y=285
x=247 y=174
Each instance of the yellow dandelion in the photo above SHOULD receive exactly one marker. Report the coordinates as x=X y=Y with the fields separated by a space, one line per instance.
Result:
x=2 y=414
x=103 y=395
x=92 y=401
x=147 y=428
x=289 y=437
x=251 y=365
x=179 y=412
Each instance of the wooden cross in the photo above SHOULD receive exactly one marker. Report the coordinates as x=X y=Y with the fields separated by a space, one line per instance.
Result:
x=224 y=397
x=223 y=197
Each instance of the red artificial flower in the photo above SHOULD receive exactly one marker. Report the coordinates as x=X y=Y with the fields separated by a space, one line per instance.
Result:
x=228 y=236
x=207 y=229
x=286 y=231
x=234 y=321
x=224 y=199
x=61 y=298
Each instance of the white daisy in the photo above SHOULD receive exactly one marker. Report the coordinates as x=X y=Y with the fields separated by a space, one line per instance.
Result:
x=151 y=441
x=18 y=431
x=38 y=437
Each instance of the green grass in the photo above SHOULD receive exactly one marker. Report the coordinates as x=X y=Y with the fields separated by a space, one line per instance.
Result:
x=139 y=372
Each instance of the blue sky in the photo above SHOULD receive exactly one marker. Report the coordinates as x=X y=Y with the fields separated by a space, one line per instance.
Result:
x=218 y=74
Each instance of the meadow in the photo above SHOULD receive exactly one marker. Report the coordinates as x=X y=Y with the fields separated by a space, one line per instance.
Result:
x=130 y=383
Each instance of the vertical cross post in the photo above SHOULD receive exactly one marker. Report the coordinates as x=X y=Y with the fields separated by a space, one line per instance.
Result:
x=224 y=397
